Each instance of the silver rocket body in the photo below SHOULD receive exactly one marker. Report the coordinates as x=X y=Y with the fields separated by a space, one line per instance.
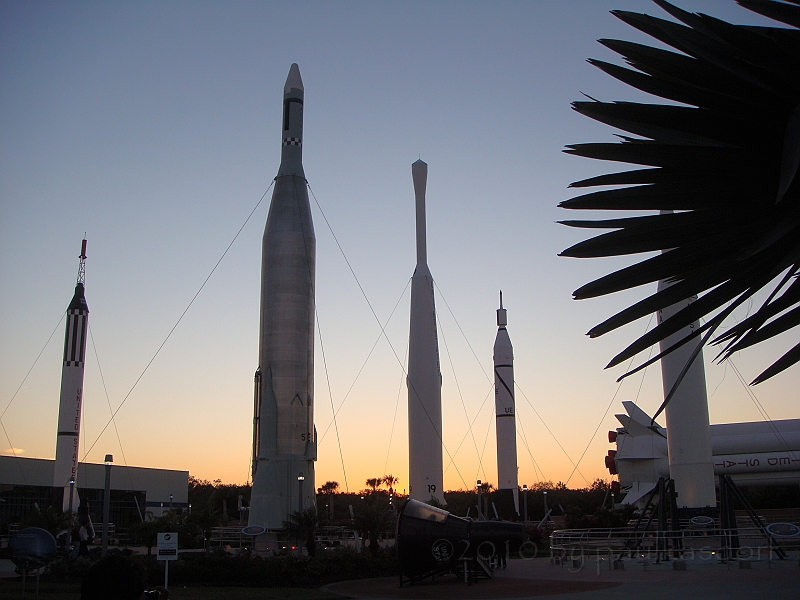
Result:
x=505 y=410
x=688 y=429
x=425 y=474
x=71 y=399
x=285 y=434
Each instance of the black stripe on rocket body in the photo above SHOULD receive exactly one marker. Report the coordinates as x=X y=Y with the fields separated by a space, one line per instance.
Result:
x=500 y=377
x=74 y=333
x=66 y=343
x=84 y=324
x=75 y=338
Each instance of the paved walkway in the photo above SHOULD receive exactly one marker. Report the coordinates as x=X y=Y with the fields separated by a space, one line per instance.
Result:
x=594 y=581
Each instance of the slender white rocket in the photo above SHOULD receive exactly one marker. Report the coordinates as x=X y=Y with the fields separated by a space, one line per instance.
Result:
x=425 y=474
x=688 y=432
x=286 y=444
x=505 y=412
x=71 y=401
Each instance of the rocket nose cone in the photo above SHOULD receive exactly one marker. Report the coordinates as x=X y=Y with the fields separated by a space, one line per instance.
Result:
x=293 y=81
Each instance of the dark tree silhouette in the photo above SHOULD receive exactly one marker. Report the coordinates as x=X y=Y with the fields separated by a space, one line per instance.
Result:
x=720 y=166
x=328 y=489
x=303 y=525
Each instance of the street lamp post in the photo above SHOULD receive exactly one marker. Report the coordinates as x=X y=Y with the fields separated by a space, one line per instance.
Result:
x=300 y=479
x=547 y=519
x=525 y=502
x=107 y=502
x=71 y=493
x=170 y=501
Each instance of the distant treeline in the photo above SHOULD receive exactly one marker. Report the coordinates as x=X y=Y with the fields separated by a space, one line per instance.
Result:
x=221 y=501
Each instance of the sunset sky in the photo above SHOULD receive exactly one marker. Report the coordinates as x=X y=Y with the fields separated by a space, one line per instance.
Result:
x=154 y=127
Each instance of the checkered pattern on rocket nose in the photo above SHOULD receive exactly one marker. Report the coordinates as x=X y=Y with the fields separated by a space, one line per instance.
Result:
x=292 y=141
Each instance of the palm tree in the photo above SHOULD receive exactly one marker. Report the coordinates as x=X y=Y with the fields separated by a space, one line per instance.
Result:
x=390 y=481
x=374 y=483
x=303 y=525
x=721 y=168
x=372 y=517
x=329 y=489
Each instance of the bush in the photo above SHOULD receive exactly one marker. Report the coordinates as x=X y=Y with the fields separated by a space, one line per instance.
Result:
x=220 y=569
x=276 y=571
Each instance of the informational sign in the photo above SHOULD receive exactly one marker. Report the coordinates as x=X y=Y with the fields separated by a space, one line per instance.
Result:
x=167 y=546
x=32 y=548
x=253 y=530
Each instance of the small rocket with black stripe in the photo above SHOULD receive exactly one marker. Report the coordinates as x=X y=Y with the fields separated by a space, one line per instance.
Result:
x=505 y=417
x=71 y=403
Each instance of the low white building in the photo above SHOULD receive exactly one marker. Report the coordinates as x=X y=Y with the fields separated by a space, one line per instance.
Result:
x=135 y=491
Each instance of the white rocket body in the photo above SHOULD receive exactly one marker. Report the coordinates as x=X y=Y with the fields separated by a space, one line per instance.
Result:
x=425 y=473
x=71 y=399
x=505 y=410
x=759 y=453
x=286 y=441
x=688 y=432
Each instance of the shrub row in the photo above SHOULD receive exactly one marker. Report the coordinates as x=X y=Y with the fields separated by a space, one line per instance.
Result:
x=251 y=571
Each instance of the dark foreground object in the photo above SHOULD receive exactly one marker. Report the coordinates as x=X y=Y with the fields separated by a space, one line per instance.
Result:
x=431 y=542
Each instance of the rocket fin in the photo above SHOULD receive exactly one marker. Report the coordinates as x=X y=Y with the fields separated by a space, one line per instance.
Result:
x=637 y=413
x=641 y=417
x=635 y=428
x=639 y=489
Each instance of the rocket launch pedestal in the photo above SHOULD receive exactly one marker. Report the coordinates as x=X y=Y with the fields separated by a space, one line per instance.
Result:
x=65 y=471
x=425 y=473
x=285 y=436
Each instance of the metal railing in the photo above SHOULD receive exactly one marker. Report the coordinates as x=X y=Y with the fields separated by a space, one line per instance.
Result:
x=742 y=543
x=229 y=536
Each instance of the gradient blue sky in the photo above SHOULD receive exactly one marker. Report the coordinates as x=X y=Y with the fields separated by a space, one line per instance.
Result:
x=154 y=128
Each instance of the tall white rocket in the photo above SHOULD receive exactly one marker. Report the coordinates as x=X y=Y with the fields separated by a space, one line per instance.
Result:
x=505 y=412
x=425 y=474
x=71 y=400
x=688 y=430
x=286 y=440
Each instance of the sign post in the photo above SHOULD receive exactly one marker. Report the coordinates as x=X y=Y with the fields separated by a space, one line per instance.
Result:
x=167 y=550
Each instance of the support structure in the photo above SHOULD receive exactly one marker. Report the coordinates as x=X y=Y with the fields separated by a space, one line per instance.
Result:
x=665 y=511
x=728 y=494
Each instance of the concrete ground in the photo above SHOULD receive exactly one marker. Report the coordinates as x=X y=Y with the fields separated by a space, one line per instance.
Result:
x=592 y=580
